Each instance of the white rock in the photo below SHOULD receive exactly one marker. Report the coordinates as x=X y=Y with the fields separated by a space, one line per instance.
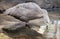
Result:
x=42 y=29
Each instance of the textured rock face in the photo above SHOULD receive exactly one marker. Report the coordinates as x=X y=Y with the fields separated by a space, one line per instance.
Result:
x=40 y=21
x=27 y=11
x=10 y=23
x=30 y=13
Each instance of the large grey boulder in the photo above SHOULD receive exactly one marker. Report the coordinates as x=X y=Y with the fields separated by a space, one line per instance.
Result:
x=30 y=13
x=25 y=11
x=10 y=23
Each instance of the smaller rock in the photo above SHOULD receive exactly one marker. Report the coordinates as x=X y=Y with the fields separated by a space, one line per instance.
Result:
x=36 y=24
x=14 y=25
x=10 y=23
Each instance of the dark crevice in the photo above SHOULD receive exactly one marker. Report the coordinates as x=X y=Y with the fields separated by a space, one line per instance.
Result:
x=1 y=11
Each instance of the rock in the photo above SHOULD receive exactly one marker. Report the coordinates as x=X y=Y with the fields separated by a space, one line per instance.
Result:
x=10 y=23
x=30 y=13
x=45 y=16
x=14 y=25
x=25 y=11
x=36 y=24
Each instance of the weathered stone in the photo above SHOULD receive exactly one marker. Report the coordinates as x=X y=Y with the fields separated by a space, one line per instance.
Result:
x=28 y=11
x=36 y=22
x=45 y=16
x=25 y=11
x=10 y=23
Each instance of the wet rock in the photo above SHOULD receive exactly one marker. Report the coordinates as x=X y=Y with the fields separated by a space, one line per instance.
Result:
x=10 y=23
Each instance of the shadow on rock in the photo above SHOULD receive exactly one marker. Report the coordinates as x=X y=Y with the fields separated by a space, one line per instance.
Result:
x=23 y=33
